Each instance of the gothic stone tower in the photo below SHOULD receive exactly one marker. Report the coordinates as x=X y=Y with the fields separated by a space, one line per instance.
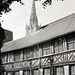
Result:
x=33 y=26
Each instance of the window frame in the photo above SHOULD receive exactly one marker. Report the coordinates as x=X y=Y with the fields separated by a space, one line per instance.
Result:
x=57 y=45
x=46 y=68
x=59 y=67
x=71 y=69
x=46 y=49
x=17 y=55
x=70 y=40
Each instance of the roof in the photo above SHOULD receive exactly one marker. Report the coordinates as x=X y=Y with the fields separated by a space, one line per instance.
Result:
x=54 y=29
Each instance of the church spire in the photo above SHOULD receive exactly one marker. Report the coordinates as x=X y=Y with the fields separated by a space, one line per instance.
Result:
x=33 y=25
x=33 y=18
x=33 y=10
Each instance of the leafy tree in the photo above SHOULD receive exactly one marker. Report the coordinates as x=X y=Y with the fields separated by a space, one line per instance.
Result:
x=5 y=5
x=47 y=2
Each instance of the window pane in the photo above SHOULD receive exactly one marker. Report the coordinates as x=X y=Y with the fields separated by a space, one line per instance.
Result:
x=51 y=48
x=26 y=54
x=70 y=38
x=4 y=58
x=25 y=72
x=35 y=72
x=4 y=73
x=46 y=45
x=36 y=52
x=48 y=51
x=59 y=71
x=58 y=45
x=74 y=45
x=10 y=57
x=73 y=70
x=9 y=73
x=17 y=55
x=44 y=52
x=31 y=54
x=70 y=41
x=70 y=45
x=47 y=71
x=16 y=73
x=56 y=49
x=47 y=48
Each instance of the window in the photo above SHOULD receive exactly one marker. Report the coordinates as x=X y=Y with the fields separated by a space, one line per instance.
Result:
x=26 y=54
x=16 y=73
x=4 y=57
x=46 y=71
x=46 y=48
x=58 y=45
x=36 y=52
x=71 y=41
x=73 y=70
x=9 y=73
x=26 y=72
x=31 y=52
x=17 y=55
x=10 y=57
x=2 y=73
x=35 y=72
x=59 y=71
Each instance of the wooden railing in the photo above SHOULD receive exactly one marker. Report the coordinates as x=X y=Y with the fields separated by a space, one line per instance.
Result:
x=48 y=60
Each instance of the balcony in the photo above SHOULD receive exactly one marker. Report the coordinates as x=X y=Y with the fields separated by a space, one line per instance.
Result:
x=65 y=57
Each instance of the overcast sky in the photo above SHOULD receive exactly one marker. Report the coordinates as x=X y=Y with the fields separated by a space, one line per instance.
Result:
x=16 y=19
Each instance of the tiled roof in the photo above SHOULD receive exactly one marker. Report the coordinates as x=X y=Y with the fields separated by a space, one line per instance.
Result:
x=53 y=30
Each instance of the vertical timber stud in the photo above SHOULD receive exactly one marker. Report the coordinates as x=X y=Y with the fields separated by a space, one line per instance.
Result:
x=40 y=54
x=54 y=70
x=51 y=58
x=30 y=67
x=31 y=71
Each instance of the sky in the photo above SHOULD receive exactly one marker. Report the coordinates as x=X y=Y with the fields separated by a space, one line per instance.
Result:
x=17 y=19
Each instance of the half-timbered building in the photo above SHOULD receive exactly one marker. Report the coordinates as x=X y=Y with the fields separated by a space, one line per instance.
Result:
x=49 y=50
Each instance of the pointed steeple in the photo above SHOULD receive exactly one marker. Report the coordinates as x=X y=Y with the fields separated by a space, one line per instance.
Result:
x=33 y=10
x=33 y=25
x=33 y=18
